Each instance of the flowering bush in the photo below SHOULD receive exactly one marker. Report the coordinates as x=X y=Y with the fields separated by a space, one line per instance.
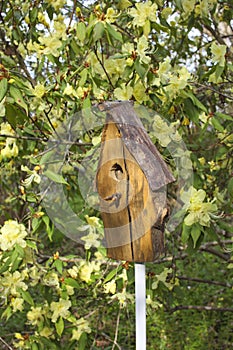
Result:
x=59 y=58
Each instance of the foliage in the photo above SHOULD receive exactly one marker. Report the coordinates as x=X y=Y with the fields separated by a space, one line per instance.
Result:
x=60 y=57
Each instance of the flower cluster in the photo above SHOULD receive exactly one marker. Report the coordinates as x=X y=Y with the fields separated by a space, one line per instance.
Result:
x=33 y=175
x=143 y=12
x=12 y=233
x=11 y=149
x=218 y=52
x=198 y=210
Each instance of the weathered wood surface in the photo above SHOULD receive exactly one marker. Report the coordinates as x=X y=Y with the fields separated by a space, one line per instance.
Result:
x=125 y=180
x=138 y=142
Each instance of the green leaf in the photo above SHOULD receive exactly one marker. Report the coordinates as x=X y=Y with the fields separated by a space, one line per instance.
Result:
x=3 y=88
x=55 y=177
x=81 y=31
x=113 y=33
x=223 y=116
x=98 y=31
x=18 y=98
x=34 y=347
x=75 y=47
x=191 y=110
x=7 y=313
x=59 y=326
x=185 y=233
x=59 y=265
x=32 y=245
x=140 y=69
x=15 y=115
x=83 y=77
x=27 y=297
x=219 y=70
x=230 y=187
x=216 y=124
x=71 y=282
x=82 y=341
x=87 y=103
x=194 y=100
x=33 y=14
x=195 y=233
x=110 y=275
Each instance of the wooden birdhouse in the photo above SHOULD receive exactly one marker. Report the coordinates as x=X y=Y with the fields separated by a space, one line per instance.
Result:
x=131 y=182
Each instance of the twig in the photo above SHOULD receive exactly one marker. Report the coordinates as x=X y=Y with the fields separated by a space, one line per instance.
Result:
x=201 y=308
x=102 y=65
x=33 y=138
x=212 y=89
x=199 y=280
x=223 y=256
x=7 y=345
x=108 y=338
x=116 y=331
x=72 y=15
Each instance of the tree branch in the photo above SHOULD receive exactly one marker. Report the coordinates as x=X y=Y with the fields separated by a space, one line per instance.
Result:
x=199 y=280
x=201 y=308
x=33 y=138
x=223 y=256
x=102 y=65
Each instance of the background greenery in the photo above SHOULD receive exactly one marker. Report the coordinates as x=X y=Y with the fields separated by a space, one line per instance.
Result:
x=58 y=57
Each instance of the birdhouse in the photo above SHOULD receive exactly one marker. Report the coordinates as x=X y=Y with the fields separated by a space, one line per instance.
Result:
x=131 y=182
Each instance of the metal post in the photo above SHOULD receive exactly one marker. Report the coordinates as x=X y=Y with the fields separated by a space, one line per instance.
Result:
x=140 y=296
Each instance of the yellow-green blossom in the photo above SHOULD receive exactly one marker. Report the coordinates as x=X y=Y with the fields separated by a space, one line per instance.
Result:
x=73 y=272
x=188 y=6
x=164 y=71
x=93 y=221
x=152 y=303
x=60 y=30
x=20 y=341
x=124 y=92
x=110 y=287
x=42 y=19
x=11 y=149
x=69 y=90
x=142 y=47
x=51 y=279
x=123 y=297
x=33 y=176
x=204 y=7
x=39 y=90
x=46 y=332
x=6 y=129
x=198 y=210
x=162 y=131
x=12 y=233
x=51 y=45
x=91 y=240
x=82 y=327
x=143 y=12
x=111 y=15
x=60 y=309
x=178 y=81
x=17 y=304
x=56 y=4
x=218 y=52
x=139 y=92
x=86 y=270
x=12 y=283
x=35 y=315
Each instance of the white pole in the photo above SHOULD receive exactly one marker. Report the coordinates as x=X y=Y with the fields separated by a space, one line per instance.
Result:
x=140 y=296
